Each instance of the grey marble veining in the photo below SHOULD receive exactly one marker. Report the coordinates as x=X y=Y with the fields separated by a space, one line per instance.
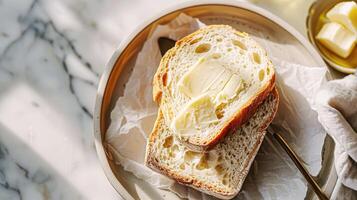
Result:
x=45 y=121
x=52 y=53
x=51 y=56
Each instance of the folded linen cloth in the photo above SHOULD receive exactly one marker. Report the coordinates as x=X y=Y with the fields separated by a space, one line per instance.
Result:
x=336 y=105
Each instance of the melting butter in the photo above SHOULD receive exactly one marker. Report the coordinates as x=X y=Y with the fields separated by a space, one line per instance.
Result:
x=337 y=39
x=230 y=90
x=196 y=115
x=345 y=13
x=206 y=76
x=208 y=84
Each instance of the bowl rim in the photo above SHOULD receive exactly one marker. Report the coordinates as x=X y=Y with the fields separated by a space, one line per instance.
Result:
x=310 y=36
x=102 y=155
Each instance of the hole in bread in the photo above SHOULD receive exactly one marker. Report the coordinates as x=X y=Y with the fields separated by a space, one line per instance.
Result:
x=171 y=154
x=191 y=155
x=261 y=75
x=173 y=151
x=202 y=48
x=239 y=44
x=219 y=110
x=219 y=39
x=182 y=166
x=268 y=70
x=256 y=58
x=229 y=49
x=219 y=169
x=168 y=142
x=216 y=55
x=194 y=41
x=224 y=180
x=203 y=164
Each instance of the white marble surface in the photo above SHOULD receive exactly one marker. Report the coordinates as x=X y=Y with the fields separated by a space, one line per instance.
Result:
x=51 y=56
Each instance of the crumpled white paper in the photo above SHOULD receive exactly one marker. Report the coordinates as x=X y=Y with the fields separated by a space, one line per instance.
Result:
x=134 y=114
x=337 y=108
x=273 y=175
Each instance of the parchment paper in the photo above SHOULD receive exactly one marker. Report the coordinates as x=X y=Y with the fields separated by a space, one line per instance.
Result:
x=273 y=175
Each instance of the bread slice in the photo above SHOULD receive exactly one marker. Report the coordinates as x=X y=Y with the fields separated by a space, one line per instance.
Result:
x=219 y=172
x=238 y=54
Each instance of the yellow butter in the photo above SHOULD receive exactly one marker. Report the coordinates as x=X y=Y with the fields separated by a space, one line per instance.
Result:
x=195 y=116
x=337 y=38
x=208 y=83
x=206 y=76
x=230 y=90
x=345 y=13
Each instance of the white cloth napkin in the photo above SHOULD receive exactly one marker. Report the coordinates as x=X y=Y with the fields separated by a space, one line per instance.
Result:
x=337 y=112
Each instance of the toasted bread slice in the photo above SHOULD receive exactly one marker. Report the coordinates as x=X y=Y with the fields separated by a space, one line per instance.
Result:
x=219 y=172
x=213 y=54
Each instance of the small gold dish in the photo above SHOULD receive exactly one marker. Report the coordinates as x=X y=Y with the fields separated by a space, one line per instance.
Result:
x=314 y=22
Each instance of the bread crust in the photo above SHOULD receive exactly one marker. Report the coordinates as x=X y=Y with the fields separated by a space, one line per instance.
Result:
x=191 y=181
x=239 y=118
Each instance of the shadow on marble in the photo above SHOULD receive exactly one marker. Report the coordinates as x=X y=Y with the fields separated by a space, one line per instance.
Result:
x=25 y=175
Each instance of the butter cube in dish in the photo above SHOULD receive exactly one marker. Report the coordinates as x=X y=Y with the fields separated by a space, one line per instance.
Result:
x=337 y=38
x=345 y=13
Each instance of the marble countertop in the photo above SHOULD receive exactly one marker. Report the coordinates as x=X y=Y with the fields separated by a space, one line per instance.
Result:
x=52 y=54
